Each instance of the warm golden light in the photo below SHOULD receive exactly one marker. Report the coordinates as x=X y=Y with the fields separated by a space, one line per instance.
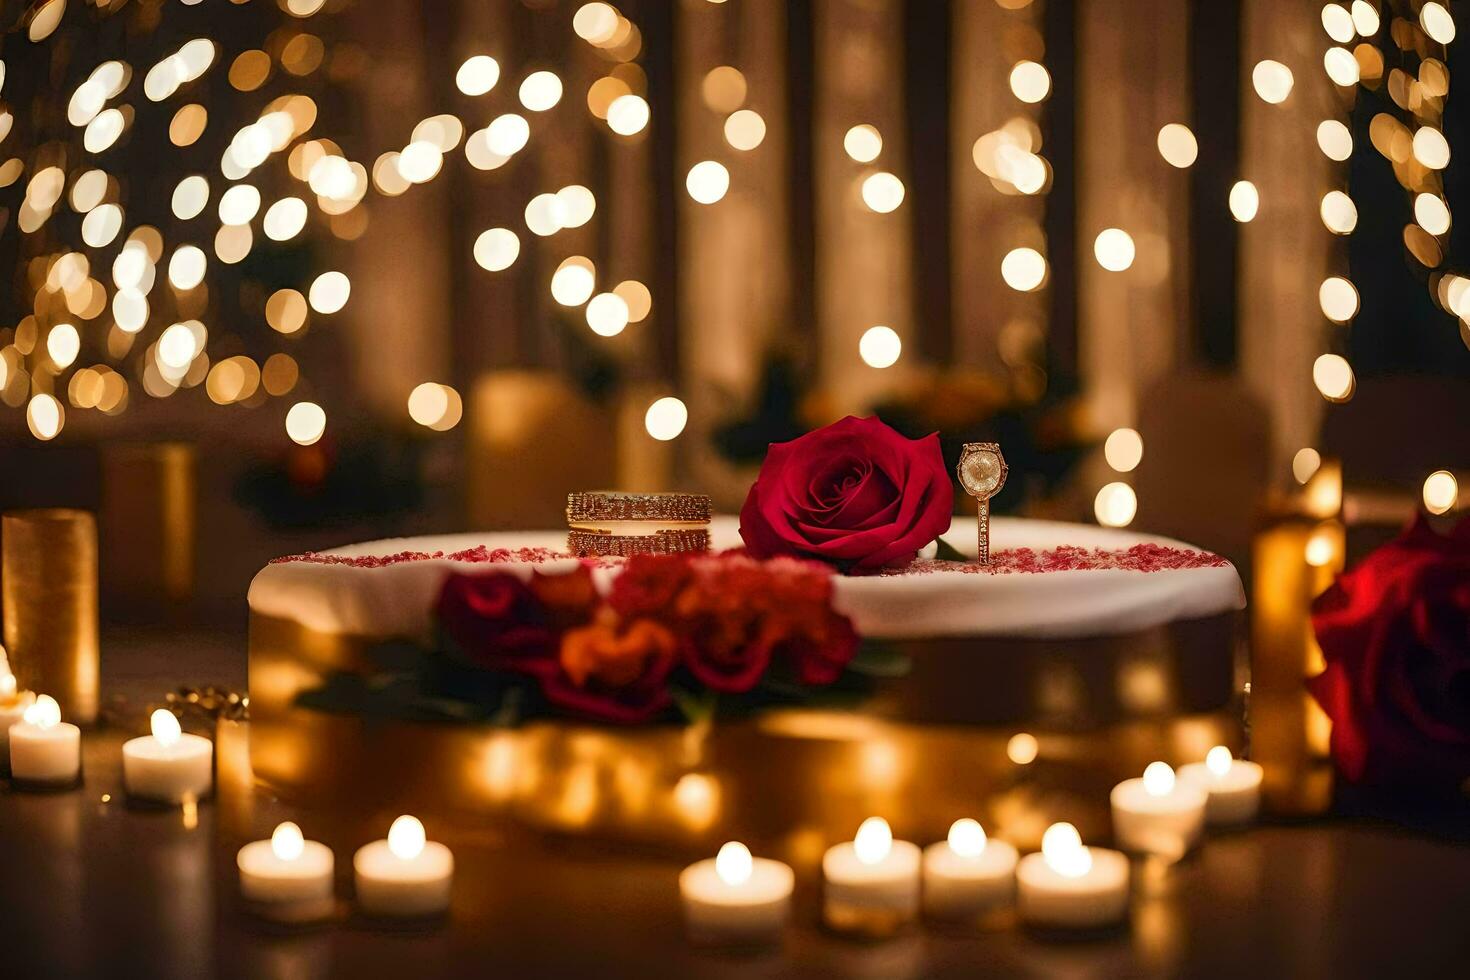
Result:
x=745 y=129
x=420 y=161
x=497 y=249
x=540 y=91
x=724 y=89
x=863 y=143
x=305 y=423
x=1365 y=18
x=1123 y=450
x=477 y=75
x=1272 y=81
x=1335 y=140
x=1338 y=23
x=1341 y=66
x=287 y=844
x=1023 y=269
x=507 y=134
x=1437 y=22
x=1431 y=148
x=967 y=838
x=165 y=727
x=666 y=418
x=1114 y=249
x=637 y=297
x=435 y=406
x=1115 y=505
x=882 y=192
x=1432 y=213
x=1304 y=464
x=1219 y=760
x=239 y=205
x=45 y=713
x=1338 y=298
x=186 y=267
x=1339 y=213
x=1030 y=82
x=1158 y=779
x=1022 y=748
x=627 y=115
x=573 y=281
x=1333 y=376
x=874 y=840
x=707 y=181
x=1321 y=549
x=545 y=215
x=285 y=219
x=607 y=314
x=1062 y=850
x=1441 y=491
x=880 y=347
x=595 y=23
x=63 y=344
x=1244 y=201
x=1178 y=146
x=44 y=417
x=406 y=838
x=733 y=864
x=577 y=205
x=329 y=292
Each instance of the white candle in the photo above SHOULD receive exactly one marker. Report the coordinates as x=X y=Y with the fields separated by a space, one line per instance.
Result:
x=405 y=876
x=734 y=899
x=13 y=705
x=1069 y=886
x=169 y=766
x=287 y=878
x=872 y=881
x=1157 y=814
x=1233 y=785
x=44 y=750
x=968 y=876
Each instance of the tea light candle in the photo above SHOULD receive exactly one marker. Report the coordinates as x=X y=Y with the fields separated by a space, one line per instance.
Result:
x=872 y=881
x=968 y=876
x=1070 y=886
x=734 y=899
x=1233 y=786
x=287 y=878
x=44 y=750
x=169 y=766
x=405 y=876
x=13 y=705
x=1157 y=814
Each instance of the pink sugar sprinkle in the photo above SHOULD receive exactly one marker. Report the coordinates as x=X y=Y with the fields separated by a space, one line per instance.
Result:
x=1071 y=558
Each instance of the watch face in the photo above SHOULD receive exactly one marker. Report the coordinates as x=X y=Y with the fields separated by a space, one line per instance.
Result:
x=982 y=469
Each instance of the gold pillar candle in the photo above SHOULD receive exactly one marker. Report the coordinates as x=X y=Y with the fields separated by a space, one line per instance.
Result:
x=48 y=586
x=148 y=519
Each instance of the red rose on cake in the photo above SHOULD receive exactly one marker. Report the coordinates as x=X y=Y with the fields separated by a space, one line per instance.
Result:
x=855 y=494
x=497 y=621
x=1395 y=634
x=613 y=671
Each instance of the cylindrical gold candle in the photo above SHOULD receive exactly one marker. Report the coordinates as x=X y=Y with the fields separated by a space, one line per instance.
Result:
x=48 y=585
x=148 y=522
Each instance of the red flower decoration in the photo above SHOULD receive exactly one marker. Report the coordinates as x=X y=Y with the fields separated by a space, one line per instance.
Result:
x=856 y=494
x=1395 y=633
x=494 y=619
x=612 y=673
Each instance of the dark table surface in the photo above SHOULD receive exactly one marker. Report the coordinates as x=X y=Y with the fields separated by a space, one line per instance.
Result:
x=94 y=888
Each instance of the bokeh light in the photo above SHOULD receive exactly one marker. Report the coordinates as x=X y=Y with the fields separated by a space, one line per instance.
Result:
x=329 y=292
x=1333 y=376
x=863 y=143
x=882 y=192
x=1178 y=146
x=1338 y=298
x=1244 y=201
x=666 y=418
x=707 y=181
x=1272 y=81
x=1114 y=249
x=305 y=423
x=1123 y=450
x=880 y=347
x=1115 y=505
x=1441 y=491
x=1023 y=269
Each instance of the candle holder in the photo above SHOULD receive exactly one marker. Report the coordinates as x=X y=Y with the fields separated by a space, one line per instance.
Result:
x=48 y=590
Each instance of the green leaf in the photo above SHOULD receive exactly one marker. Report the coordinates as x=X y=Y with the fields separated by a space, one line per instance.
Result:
x=696 y=706
x=948 y=552
x=876 y=659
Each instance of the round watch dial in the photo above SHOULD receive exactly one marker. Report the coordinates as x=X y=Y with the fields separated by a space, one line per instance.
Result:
x=981 y=472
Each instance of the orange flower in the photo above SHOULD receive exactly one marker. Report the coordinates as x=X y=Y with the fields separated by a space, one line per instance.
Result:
x=602 y=653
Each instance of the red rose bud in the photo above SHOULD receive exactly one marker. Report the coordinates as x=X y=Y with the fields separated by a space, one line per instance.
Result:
x=612 y=673
x=855 y=494
x=1395 y=634
x=495 y=620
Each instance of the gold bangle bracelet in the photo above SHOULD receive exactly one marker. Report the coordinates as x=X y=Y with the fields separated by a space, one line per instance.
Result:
x=597 y=544
x=601 y=506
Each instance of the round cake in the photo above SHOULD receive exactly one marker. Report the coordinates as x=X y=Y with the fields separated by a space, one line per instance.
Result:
x=1074 y=658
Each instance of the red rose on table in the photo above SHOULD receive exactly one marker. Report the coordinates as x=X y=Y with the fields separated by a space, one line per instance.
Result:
x=496 y=620
x=1395 y=633
x=856 y=494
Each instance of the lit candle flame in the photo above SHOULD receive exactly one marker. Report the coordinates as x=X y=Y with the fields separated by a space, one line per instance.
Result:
x=1061 y=848
x=1219 y=760
x=734 y=864
x=873 y=841
x=406 y=838
x=1158 y=779
x=967 y=838
x=45 y=713
x=287 y=842
x=165 y=727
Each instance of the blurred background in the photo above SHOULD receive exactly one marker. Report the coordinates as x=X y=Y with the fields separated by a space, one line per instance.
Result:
x=286 y=274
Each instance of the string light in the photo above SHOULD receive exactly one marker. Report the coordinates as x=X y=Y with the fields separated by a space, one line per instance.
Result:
x=607 y=314
x=1437 y=22
x=1432 y=213
x=1030 y=82
x=1335 y=140
x=1123 y=450
x=540 y=91
x=305 y=423
x=666 y=418
x=1115 y=505
x=745 y=129
x=1339 y=213
x=497 y=249
x=1338 y=298
x=1304 y=464
x=1338 y=23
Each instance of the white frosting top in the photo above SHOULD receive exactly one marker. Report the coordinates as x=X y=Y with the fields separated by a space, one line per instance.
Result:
x=397 y=599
